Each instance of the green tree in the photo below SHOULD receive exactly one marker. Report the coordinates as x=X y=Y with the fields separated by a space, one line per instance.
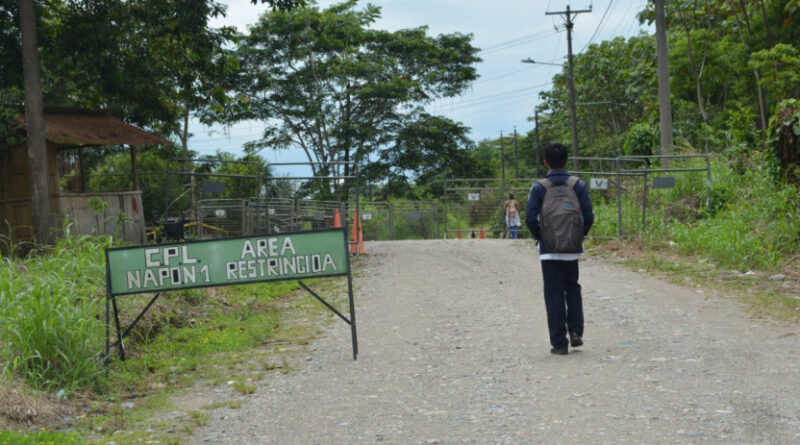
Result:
x=109 y=169
x=780 y=66
x=324 y=81
x=148 y=62
x=247 y=165
x=615 y=86
x=427 y=150
x=640 y=140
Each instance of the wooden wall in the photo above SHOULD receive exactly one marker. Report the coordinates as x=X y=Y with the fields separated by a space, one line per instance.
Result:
x=16 y=215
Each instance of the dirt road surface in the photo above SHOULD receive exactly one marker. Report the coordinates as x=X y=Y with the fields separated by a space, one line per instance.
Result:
x=454 y=350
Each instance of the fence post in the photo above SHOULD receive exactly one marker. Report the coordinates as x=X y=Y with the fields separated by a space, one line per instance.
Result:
x=619 y=199
x=436 y=219
x=390 y=212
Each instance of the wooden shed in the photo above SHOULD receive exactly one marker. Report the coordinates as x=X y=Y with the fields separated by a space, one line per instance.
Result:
x=68 y=134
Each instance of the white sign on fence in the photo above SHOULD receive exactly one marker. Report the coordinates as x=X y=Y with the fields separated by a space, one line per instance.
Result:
x=473 y=196
x=598 y=183
x=366 y=217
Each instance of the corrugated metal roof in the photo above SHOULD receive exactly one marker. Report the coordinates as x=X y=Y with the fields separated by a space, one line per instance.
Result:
x=94 y=129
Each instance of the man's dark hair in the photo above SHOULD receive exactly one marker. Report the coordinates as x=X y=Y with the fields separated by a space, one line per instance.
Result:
x=511 y=196
x=556 y=155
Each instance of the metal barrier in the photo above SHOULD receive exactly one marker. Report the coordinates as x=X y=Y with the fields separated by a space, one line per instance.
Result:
x=624 y=191
x=221 y=218
x=399 y=220
x=475 y=206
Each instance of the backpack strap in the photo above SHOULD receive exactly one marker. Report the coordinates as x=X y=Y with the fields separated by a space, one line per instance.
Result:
x=571 y=181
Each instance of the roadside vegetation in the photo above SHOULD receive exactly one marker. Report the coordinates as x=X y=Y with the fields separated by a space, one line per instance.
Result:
x=738 y=236
x=55 y=386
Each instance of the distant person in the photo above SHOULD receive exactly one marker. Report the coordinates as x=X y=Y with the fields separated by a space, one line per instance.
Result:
x=511 y=210
x=559 y=215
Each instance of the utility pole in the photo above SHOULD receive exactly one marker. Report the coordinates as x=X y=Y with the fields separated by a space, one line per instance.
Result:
x=516 y=156
x=502 y=164
x=664 y=103
x=538 y=144
x=568 y=14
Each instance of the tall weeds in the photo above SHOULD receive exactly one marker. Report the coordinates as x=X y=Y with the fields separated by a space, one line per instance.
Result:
x=752 y=222
x=50 y=328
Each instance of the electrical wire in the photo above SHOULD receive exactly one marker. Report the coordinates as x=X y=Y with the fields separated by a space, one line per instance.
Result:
x=624 y=17
x=503 y=75
x=502 y=46
x=599 y=25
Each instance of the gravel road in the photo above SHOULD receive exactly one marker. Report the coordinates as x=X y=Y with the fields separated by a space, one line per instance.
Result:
x=454 y=350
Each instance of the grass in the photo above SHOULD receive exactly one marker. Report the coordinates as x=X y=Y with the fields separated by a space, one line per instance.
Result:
x=751 y=225
x=232 y=404
x=39 y=438
x=52 y=329
x=753 y=222
x=48 y=316
x=200 y=418
x=766 y=298
x=244 y=388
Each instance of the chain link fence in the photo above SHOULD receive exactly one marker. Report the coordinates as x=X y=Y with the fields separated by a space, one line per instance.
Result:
x=625 y=192
x=474 y=207
x=400 y=220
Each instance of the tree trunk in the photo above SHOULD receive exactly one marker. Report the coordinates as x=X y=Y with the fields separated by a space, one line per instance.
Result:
x=762 y=101
x=664 y=101
x=34 y=123
x=698 y=74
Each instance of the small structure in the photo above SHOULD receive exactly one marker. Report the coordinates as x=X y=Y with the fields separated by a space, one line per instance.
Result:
x=68 y=134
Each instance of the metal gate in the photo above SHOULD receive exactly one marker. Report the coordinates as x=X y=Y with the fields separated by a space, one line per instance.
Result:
x=625 y=192
x=400 y=220
x=221 y=218
x=474 y=207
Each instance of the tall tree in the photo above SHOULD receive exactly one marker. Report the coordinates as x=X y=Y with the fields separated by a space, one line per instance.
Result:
x=616 y=76
x=427 y=150
x=34 y=122
x=324 y=81
x=664 y=99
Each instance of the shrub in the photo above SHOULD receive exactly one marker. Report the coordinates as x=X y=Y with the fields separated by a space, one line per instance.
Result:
x=640 y=140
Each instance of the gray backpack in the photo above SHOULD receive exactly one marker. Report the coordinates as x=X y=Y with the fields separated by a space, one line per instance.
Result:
x=561 y=217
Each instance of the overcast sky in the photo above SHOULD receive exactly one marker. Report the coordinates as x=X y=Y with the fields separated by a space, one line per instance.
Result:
x=507 y=31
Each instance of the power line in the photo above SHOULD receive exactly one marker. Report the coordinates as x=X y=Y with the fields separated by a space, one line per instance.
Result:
x=502 y=46
x=519 y=100
x=624 y=16
x=494 y=97
x=599 y=25
x=502 y=75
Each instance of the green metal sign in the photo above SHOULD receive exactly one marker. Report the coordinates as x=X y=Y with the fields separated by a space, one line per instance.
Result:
x=223 y=262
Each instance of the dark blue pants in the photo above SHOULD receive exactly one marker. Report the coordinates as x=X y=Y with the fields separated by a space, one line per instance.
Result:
x=562 y=299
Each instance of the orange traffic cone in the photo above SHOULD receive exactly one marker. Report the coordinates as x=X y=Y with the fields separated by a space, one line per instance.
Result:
x=354 y=238
x=337 y=219
x=361 y=240
x=483 y=235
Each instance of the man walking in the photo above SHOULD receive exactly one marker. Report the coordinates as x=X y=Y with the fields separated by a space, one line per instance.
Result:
x=559 y=215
